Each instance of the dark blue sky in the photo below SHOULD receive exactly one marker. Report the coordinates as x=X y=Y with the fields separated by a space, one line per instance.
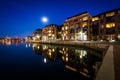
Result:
x=22 y=17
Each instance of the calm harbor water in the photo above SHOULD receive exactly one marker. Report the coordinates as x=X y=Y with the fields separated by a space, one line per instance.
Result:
x=48 y=61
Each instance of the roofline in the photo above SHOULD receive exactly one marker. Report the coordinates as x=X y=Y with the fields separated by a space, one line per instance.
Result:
x=78 y=14
x=52 y=25
x=106 y=12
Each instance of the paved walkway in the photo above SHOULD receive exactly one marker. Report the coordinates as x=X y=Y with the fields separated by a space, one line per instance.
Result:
x=106 y=71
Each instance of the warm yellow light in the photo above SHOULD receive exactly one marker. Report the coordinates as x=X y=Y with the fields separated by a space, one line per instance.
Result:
x=66 y=28
x=38 y=36
x=62 y=28
x=49 y=31
x=49 y=53
x=95 y=18
x=85 y=18
x=63 y=58
x=66 y=59
x=49 y=34
x=69 y=67
x=53 y=50
x=84 y=24
x=38 y=47
x=110 y=25
x=110 y=14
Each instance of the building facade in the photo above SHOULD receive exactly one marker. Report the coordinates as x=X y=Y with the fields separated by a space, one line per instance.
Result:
x=77 y=28
x=37 y=34
x=106 y=26
x=49 y=32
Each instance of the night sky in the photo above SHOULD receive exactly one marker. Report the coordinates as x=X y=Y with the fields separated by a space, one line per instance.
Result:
x=21 y=17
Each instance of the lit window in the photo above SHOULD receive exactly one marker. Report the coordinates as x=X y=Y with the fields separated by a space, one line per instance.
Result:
x=110 y=14
x=66 y=32
x=49 y=34
x=66 y=28
x=49 y=31
x=72 y=27
x=95 y=18
x=62 y=28
x=85 y=18
x=110 y=25
x=84 y=24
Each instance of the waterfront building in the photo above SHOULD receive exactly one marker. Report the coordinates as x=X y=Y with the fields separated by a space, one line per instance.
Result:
x=106 y=26
x=29 y=38
x=77 y=27
x=37 y=34
x=49 y=32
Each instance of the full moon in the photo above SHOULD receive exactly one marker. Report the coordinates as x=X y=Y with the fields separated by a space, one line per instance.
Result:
x=44 y=19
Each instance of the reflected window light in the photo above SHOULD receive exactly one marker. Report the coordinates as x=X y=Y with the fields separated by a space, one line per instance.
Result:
x=53 y=50
x=63 y=58
x=49 y=53
x=29 y=45
x=45 y=60
x=84 y=53
x=38 y=47
x=26 y=46
x=81 y=56
x=33 y=45
x=66 y=59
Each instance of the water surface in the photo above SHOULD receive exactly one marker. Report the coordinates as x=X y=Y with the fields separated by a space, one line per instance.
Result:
x=19 y=60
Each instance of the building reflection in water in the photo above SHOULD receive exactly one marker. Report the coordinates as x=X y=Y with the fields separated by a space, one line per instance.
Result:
x=79 y=60
x=10 y=41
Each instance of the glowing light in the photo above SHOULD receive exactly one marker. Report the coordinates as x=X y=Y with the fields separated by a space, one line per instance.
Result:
x=44 y=19
x=29 y=45
x=26 y=45
x=45 y=60
x=38 y=47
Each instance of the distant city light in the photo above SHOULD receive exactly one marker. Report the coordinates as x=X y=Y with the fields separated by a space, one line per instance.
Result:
x=44 y=19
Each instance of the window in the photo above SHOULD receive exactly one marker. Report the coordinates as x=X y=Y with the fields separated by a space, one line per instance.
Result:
x=95 y=18
x=101 y=31
x=118 y=17
x=110 y=31
x=102 y=21
x=72 y=31
x=110 y=14
x=72 y=37
x=84 y=29
x=78 y=29
x=66 y=27
x=101 y=16
x=85 y=18
x=62 y=28
x=110 y=25
x=84 y=24
x=119 y=27
x=95 y=23
x=72 y=27
x=118 y=11
x=77 y=25
x=110 y=19
x=75 y=20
